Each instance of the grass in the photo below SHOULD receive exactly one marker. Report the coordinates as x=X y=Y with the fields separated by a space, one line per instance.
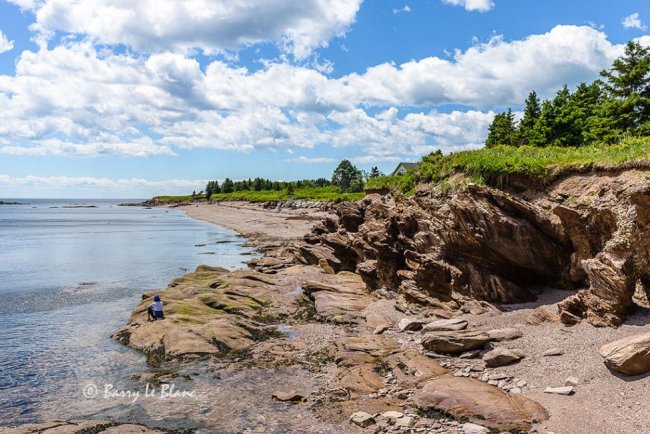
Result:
x=494 y=165
x=315 y=194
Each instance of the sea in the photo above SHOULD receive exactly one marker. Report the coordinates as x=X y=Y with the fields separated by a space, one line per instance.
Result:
x=71 y=272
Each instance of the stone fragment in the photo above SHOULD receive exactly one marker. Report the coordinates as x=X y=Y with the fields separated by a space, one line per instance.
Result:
x=472 y=428
x=502 y=356
x=291 y=396
x=630 y=356
x=541 y=315
x=442 y=325
x=410 y=324
x=571 y=382
x=507 y=334
x=405 y=422
x=566 y=390
x=362 y=419
x=392 y=414
x=455 y=342
x=554 y=352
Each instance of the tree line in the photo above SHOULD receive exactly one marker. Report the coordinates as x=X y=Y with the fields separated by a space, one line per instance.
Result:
x=615 y=106
x=346 y=177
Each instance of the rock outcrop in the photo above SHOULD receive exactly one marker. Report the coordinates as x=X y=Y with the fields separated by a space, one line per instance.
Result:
x=587 y=232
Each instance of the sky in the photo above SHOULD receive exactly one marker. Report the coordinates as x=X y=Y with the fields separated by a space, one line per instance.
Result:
x=124 y=99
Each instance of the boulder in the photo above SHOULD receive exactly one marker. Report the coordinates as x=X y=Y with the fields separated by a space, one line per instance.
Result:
x=362 y=419
x=442 y=325
x=630 y=356
x=479 y=402
x=508 y=334
x=455 y=341
x=501 y=357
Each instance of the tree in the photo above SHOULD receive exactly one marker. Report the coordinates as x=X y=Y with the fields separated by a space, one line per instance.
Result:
x=502 y=130
x=627 y=83
x=228 y=186
x=374 y=173
x=532 y=112
x=347 y=177
x=290 y=188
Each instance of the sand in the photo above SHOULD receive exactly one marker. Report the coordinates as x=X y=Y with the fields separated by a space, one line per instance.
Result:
x=256 y=223
x=604 y=402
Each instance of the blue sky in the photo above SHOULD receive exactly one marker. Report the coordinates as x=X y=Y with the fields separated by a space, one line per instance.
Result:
x=107 y=98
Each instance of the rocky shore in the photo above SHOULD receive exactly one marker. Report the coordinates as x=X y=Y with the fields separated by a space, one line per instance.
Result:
x=462 y=311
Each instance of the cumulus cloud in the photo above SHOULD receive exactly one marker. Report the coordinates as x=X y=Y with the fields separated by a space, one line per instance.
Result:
x=313 y=160
x=633 y=21
x=5 y=43
x=209 y=25
x=472 y=5
x=76 y=99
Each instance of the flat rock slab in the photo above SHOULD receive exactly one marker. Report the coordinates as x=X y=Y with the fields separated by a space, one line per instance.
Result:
x=339 y=298
x=210 y=311
x=80 y=427
x=630 y=356
x=455 y=341
x=566 y=390
x=443 y=325
x=479 y=402
x=508 y=334
x=502 y=357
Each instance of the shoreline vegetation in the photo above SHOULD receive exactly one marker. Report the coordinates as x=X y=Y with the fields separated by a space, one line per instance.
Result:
x=501 y=165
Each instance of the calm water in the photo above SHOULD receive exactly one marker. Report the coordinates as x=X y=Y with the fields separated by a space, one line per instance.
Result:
x=69 y=277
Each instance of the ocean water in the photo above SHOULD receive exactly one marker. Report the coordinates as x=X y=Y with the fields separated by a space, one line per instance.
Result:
x=71 y=271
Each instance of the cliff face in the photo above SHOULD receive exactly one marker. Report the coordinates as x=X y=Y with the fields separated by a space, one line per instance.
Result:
x=586 y=232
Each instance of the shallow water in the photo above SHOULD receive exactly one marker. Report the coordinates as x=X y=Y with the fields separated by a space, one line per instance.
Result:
x=69 y=277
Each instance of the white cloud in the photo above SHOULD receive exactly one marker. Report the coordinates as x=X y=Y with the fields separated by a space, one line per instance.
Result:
x=209 y=25
x=5 y=43
x=405 y=9
x=472 y=5
x=313 y=160
x=633 y=21
x=64 y=186
x=76 y=99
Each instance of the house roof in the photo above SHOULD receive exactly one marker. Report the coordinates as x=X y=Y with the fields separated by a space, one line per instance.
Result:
x=406 y=166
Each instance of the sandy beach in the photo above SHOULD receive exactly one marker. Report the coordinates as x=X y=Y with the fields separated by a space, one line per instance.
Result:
x=256 y=223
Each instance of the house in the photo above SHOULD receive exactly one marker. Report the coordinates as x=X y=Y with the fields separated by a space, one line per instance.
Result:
x=402 y=168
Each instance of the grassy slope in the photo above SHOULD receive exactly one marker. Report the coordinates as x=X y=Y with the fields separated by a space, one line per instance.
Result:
x=538 y=164
x=321 y=194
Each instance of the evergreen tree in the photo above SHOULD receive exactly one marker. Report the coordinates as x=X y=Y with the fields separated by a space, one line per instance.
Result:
x=627 y=83
x=374 y=173
x=228 y=186
x=532 y=112
x=502 y=130
x=347 y=177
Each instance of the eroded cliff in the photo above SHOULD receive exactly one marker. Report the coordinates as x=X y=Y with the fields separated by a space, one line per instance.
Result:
x=586 y=232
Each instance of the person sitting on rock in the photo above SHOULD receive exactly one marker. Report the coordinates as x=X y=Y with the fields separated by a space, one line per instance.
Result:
x=155 y=309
